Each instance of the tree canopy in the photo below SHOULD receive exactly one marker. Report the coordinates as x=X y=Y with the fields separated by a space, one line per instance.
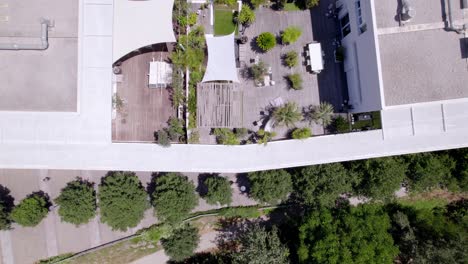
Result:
x=270 y=186
x=259 y=246
x=322 y=184
x=379 y=178
x=287 y=115
x=31 y=210
x=122 y=200
x=347 y=235
x=6 y=205
x=218 y=190
x=427 y=171
x=182 y=243
x=77 y=202
x=246 y=16
x=174 y=197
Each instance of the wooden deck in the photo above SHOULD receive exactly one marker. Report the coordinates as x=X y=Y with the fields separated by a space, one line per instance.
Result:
x=219 y=105
x=145 y=110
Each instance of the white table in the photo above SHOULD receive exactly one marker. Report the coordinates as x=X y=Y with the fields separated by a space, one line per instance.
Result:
x=315 y=57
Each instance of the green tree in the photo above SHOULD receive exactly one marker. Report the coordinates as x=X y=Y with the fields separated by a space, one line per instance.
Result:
x=348 y=235
x=77 y=202
x=6 y=205
x=295 y=81
x=270 y=186
x=175 y=130
x=182 y=243
x=122 y=200
x=380 y=178
x=290 y=35
x=174 y=197
x=226 y=136
x=31 y=210
x=321 y=185
x=178 y=95
x=259 y=246
x=291 y=59
x=301 y=133
x=461 y=169
x=427 y=171
x=266 y=41
x=246 y=16
x=287 y=115
x=219 y=190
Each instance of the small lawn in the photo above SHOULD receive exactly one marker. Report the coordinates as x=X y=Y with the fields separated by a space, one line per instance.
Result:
x=374 y=123
x=291 y=7
x=223 y=24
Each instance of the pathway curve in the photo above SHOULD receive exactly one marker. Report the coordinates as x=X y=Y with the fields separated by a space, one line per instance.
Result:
x=207 y=241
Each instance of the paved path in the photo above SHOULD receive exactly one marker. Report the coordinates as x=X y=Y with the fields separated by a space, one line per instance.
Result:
x=50 y=232
x=6 y=248
x=207 y=241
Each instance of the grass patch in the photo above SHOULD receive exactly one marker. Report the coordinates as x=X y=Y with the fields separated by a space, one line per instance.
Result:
x=291 y=7
x=374 y=123
x=120 y=253
x=423 y=203
x=55 y=259
x=223 y=24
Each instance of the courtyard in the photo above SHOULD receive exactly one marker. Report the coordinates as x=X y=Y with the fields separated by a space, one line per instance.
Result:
x=258 y=101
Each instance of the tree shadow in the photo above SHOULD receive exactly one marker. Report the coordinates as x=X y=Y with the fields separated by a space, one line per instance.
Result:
x=7 y=200
x=243 y=181
x=151 y=185
x=254 y=47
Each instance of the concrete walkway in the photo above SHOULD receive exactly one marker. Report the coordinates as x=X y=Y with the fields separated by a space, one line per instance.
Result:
x=207 y=241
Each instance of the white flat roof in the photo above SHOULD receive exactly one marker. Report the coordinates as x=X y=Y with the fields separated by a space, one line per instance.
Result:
x=221 y=59
x=141 y=23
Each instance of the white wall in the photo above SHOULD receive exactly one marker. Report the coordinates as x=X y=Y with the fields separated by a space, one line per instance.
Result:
x=362 y=60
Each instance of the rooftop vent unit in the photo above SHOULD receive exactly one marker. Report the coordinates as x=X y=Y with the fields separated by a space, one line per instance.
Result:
x=407 y=11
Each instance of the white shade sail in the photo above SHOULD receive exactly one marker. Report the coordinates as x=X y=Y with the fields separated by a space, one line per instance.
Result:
x=221 y=59
x=139 y=23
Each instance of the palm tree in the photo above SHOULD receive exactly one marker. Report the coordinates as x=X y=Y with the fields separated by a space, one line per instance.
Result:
x=323 y=113
x=287 y=115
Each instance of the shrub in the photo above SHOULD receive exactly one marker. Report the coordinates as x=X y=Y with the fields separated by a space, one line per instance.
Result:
x=270 y=186
x=256 y=3
x=266 y=41
x=241 y=132
x=287 y=115
x=290 y=35
x=55 y=259
x=182 y=243
x=301 y=133
x=155 y=233
x=122 y=200
x=258 y=71
x=311 y=3
x=173 y=197
x=163 y=138
x=340 y=125
x=176 y=129
x=219 y=190
x=225 y=136
x=295 y=81
x=264 y=137
x=246 y=16
x=77 y=202
x=291 y=59
x=31 y=210
x=194 y=137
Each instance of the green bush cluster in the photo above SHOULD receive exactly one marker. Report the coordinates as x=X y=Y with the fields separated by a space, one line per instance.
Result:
x=182 y=243
x=226 y=136
x=218 y=190
x=77 y=202
x=291 y=59
x=270 y=186
x=290 y=35
x=301 y=133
